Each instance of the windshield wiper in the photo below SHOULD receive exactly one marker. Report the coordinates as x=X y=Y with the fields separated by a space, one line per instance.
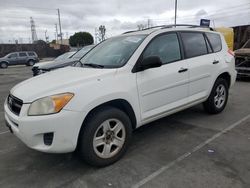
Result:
x=93 y=65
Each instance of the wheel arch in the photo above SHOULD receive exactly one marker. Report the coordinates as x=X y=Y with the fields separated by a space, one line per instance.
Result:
x=121 y=104
x=226 y=76
x=4 y=62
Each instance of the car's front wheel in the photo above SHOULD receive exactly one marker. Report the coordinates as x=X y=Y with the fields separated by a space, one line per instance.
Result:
x=105 y=136
x=217 y=99
x=4 y=65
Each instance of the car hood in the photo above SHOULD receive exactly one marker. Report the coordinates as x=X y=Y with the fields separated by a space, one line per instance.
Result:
x=56 y=64
x=242 y=51
x=43 y=63
x=62 y=80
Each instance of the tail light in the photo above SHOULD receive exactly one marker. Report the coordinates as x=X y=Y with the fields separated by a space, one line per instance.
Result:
x=230 y=52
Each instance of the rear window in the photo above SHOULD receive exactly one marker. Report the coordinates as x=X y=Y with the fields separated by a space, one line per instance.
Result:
x=215 y=41
x=22 y=54
x=31 y=54
x=194 y=44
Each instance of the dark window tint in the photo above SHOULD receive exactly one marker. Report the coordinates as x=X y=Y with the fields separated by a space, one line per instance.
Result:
x=22 y=54
x=215 y=41
x=31 y=54
x=194 y=44
x=166 y=47
x=12 y=56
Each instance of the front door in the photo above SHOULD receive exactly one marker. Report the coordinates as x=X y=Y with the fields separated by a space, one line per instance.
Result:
x=13 y=59
x=164 y=88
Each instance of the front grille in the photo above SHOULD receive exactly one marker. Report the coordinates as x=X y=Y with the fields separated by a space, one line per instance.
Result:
x=14 y=104
x=48 y=138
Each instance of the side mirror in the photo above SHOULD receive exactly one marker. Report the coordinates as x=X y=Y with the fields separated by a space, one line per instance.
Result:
x=150 y=62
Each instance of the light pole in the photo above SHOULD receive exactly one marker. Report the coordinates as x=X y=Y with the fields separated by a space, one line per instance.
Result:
x=175 y=12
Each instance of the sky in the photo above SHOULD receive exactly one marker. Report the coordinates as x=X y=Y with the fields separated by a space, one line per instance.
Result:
x=117 y=15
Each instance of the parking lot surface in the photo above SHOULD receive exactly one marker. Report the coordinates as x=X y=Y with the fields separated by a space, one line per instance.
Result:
x=187 y=149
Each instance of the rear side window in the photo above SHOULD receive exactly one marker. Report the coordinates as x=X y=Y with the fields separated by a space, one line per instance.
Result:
x=194 y=44
x=31 y=54
x=215 y=41
x=166 y=47
x=22 y=54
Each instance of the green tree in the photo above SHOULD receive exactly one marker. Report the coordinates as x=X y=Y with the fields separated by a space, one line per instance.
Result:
x=81 y=39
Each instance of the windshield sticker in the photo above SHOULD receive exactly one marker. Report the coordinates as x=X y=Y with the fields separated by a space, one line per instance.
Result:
x=132 y=39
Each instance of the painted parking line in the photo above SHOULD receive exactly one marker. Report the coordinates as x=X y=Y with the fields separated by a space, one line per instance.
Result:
x=4 y=132
x=187 y=154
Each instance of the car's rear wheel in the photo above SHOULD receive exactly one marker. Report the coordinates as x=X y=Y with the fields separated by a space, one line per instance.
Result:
x=217 y=99
x=31 y=63
x=4 y=65
x=105 y=136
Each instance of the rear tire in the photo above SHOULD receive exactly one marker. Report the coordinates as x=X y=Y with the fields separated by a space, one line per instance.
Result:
x=217 y=99
x=31 y=63
x=105 y=136
x=4 y=65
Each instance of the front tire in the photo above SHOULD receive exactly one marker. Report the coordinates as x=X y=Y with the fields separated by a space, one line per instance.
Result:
x=4 y=65
x=104 y=136
x=217 y=99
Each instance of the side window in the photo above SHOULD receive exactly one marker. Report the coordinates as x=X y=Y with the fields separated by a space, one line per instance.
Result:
x=12 y=55
x=194 y=44
x=215 y=41
x=166 y=47
x=22 y=54
x=31 y=54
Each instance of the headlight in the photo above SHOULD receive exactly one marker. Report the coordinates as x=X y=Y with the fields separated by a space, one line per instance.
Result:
x=49 y=105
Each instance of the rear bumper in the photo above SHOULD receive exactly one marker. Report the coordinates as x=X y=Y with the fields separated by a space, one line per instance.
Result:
x=243 y=71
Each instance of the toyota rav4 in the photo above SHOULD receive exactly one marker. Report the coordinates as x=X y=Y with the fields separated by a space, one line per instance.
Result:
x=123 y=83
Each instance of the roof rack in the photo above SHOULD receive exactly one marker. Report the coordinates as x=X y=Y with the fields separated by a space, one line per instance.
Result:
x=187 y=25
x=144 y=29
x=171 y=26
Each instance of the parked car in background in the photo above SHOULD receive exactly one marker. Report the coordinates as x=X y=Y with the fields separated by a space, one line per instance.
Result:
x=123 y=83
x=62 y=61
x=28 y=58
x=242 y=60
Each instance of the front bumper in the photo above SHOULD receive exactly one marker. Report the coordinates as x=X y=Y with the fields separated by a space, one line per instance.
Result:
x=64 y=125
x=36 y=71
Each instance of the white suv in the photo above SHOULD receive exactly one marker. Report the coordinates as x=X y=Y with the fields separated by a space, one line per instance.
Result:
x=120 y=85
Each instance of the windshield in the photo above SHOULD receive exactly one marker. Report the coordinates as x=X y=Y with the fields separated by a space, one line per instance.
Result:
x=64 y=56
x=114 y=52
x=82 y=52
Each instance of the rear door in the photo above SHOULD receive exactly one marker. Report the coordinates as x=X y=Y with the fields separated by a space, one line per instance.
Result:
x=202 y=64
x=22 y=59
x=163 y=88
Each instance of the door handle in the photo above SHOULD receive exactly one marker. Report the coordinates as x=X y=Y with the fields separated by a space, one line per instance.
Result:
x=216 y=62
x=182 y=70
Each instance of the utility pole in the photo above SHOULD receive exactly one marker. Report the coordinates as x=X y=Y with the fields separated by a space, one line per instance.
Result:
x=46 y=37
x=175 y=12
x=60 y=26
x=56 y=33
x=33 y=30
